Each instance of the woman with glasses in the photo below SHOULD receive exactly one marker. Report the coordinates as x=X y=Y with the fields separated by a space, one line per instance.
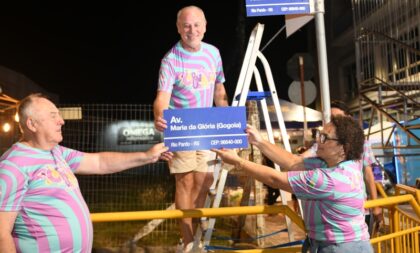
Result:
x=368 y=158
x=330 y=185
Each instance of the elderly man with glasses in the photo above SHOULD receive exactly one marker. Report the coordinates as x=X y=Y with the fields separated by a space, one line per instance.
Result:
x=330 y=185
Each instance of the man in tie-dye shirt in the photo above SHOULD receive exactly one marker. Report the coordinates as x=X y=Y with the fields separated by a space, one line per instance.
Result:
x=41 y=207
x=190 y=76
x=330 y=186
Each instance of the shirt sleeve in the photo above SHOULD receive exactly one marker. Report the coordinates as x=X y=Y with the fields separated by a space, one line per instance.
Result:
x=314 y=183
x=368 y=156
x=13 y=186
x=311 y=184
x=72 y=157
x=166 y=76
x=220 y=76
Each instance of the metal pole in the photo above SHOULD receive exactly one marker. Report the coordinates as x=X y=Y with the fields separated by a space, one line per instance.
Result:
x=302 y=97
x=322 y=60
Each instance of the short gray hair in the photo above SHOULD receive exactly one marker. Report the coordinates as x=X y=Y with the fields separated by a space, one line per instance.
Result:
x=189 y=7
x=25 y=104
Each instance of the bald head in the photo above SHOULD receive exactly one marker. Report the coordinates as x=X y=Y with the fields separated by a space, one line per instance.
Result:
x=40 y=122
x=191 y=24
x=190 y=10
x=25 y=107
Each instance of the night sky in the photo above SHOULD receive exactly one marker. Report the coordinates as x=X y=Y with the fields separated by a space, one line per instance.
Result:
x=112 y=54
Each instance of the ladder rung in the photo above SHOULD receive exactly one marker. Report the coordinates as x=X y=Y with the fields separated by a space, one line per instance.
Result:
x=256 y=95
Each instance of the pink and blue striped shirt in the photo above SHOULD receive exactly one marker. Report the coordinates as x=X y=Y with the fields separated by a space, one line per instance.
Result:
x=191 y=77
x=332 y=200
x=41 y=187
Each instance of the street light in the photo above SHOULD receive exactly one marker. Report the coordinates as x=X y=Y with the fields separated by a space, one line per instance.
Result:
x=6 y=127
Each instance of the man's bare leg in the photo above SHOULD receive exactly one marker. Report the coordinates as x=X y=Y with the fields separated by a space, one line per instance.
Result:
x=202 y=183
x=183 y=200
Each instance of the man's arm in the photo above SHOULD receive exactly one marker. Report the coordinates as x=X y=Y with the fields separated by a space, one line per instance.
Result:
x=7 y=221
x=220 y=96
x=111 y=162
x=371 y=188
x=275 y=153
x=368 y=159
x=161 y=103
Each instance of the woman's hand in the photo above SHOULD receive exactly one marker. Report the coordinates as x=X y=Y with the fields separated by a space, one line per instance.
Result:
x=228 y=156
x=254 y=137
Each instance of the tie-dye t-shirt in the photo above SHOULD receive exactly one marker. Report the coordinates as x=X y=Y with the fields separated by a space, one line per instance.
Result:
x=40 y=185
x=368 y=156
x=190 y=77
x=332 y=200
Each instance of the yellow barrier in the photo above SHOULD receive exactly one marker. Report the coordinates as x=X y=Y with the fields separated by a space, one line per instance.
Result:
x=403 y=228
x=394 y=201
x=196 y=213
x=381 y=190
x=409 y=190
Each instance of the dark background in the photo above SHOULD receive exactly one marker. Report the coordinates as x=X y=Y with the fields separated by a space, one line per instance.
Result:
x=111 y=54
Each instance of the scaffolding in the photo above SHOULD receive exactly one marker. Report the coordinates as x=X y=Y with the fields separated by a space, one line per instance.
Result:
x=387 y=43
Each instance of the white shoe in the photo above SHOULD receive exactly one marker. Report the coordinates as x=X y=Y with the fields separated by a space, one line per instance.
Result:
x=212 y=192
x=191 y=248
x=180 y=247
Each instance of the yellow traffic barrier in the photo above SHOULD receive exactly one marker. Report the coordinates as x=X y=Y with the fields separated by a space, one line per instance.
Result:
x=394 y=201
x=197 y=213
x=409 y=190
x=403 y=228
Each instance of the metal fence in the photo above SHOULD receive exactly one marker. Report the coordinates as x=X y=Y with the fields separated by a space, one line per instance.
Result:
x=125 y=128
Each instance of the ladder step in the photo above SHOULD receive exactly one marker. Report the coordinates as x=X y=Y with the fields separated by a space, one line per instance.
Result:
x=256 y=95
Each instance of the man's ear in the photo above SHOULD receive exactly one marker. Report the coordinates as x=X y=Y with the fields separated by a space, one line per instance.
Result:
x=30 y=123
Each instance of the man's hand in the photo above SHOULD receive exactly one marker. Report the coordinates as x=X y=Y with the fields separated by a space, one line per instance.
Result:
x=377 y=214
x=160 y=124
x=166 y=156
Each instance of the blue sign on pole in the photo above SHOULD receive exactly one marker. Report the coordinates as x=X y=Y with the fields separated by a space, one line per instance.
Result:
x=205 y=128
x=276 y=7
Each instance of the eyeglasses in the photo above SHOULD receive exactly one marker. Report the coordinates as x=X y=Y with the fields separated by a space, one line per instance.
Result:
x=323 y=137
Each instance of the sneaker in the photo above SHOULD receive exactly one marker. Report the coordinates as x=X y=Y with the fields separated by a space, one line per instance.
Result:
x=180 y=247
x=192 y=248
x=199 y=248
x=212 y=192
x=189 y=248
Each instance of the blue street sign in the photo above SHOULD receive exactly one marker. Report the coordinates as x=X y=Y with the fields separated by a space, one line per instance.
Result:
x=276 y=7
x=205 y=128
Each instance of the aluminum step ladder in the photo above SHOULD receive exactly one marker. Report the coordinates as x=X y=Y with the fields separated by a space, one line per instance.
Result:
x=242 y=94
